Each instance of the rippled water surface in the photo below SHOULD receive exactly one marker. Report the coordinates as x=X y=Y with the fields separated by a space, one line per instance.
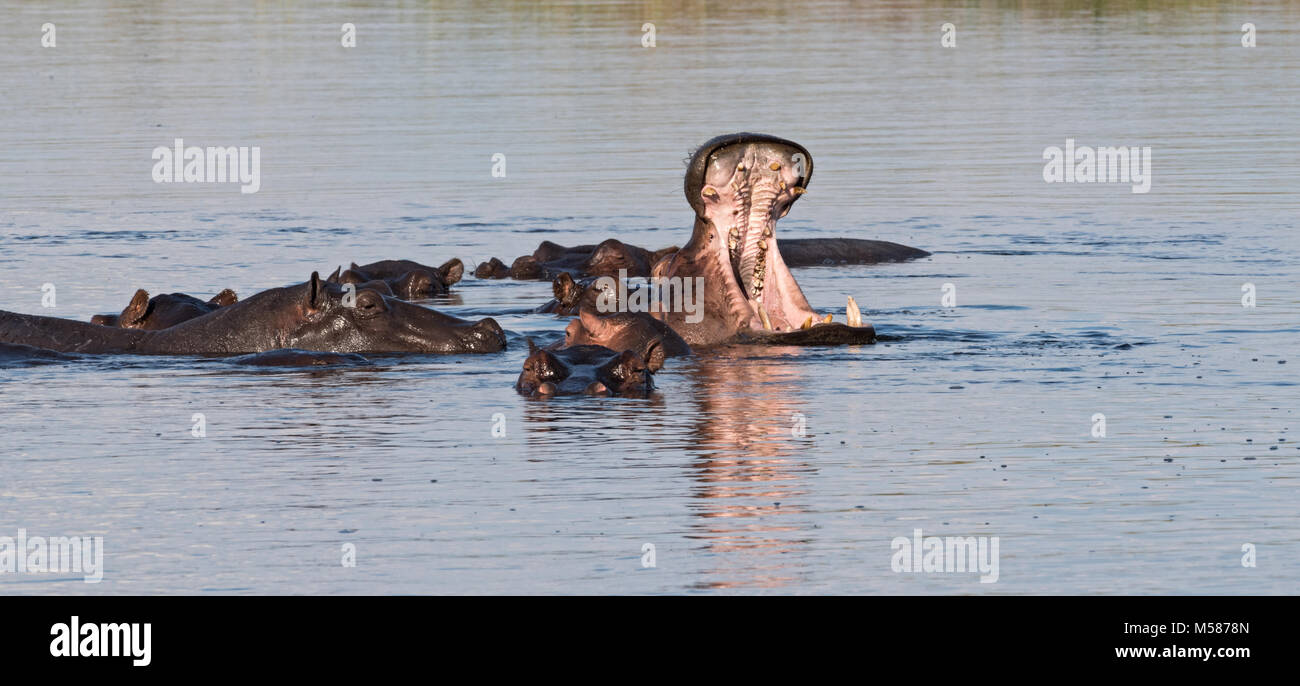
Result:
x=975 y=420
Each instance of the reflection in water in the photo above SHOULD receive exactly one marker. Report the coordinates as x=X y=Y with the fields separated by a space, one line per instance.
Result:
x=749 y=483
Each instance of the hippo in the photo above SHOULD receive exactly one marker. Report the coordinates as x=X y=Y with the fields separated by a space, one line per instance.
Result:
x=314 y=315
x=526 y=268
x=551 y=259
x=408 y=280
x=588 y=370
x=607 y=258
x=635 y=331
x=739 y=185
x=492 y=269
x=808 y=252
x=18 y=354
x=569 y=294
x=162 y=311
x=294 y=357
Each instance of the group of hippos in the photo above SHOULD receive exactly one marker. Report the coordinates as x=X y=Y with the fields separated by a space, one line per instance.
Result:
x=739 y=185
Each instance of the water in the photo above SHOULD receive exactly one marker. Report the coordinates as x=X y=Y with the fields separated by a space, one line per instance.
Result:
x=1072 y=299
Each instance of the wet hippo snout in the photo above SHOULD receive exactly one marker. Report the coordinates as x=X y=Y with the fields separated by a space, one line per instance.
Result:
x=486 y=335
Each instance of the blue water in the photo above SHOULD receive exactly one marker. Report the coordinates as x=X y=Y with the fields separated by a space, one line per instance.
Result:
x=971 y=420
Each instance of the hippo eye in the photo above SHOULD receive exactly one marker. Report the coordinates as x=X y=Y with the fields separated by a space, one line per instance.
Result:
x=370 y=304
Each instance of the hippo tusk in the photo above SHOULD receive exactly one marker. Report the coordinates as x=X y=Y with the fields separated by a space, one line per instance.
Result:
x=762 y=314
x=807 y=323
x=852 y=313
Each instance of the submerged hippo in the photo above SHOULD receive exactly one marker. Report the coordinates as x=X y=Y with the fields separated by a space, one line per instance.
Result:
x=589 y=370
x=606 y=259
x=492 y=269
x=309 y=316
x=807 y=252
x=162 y=311
x=569 y=294
x=293 y=357
x=408 y=280
x=550 y=260
x=739 y=186
x=635 y=331
x=18 y=354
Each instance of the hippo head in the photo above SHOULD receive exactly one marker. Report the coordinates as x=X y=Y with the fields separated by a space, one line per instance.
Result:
x=417 y=285
x=372 y=321
x=492 y=269
x=614 y=256
x=407 y=280
x=590 y=370
x=739 y=185
x=635 y=331
x=163 y=311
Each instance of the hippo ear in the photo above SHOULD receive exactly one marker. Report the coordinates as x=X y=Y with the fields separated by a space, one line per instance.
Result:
x=532 y=347
x=654 y=357
x=334 y=278
x=452 y=271
x=224 y=298
x=315 y=292
x=137 y=309
x=562 y=286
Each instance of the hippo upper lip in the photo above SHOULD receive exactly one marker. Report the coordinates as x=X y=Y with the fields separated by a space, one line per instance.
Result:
x=698 y=165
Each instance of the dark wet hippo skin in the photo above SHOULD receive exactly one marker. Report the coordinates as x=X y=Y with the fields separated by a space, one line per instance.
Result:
x=293 y=357
x=635 y=331
x=162 y=311
x=408 y=280
x=569 y=294
x=809 y=252
x=550 y=260
x=588 y=370
x=526 y=268
x=309 y=316
x=605 y=259
x=739 y=185
x=17 y=355
x=492 y=269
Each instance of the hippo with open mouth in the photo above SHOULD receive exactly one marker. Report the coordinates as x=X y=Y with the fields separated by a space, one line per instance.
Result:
x=314 y=316
x=739 y=186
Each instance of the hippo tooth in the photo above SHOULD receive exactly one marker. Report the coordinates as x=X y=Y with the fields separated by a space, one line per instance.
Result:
x=708 y=192
x=762 y=314
x=827 y=320
x=807 y=323
x=852 y=313
x=798 y=190
x=775 y=166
